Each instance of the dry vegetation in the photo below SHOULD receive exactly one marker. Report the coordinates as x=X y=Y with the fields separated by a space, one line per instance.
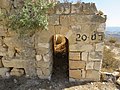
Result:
x=109 y=61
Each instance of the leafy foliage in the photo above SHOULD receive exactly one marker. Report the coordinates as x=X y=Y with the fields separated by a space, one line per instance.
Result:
x=31 y=16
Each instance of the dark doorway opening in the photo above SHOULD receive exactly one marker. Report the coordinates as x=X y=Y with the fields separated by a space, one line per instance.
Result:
x=60 y=58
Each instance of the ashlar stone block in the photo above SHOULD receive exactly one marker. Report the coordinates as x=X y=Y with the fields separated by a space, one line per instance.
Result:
x=95 y=56
x=83 y=71
x=99 y=47
x=74 y=55
x=81 y=48
x=76 y=74
x=76 y=64
x=97 y=65
x=93 y=75
x=85 y=56
x=89 y=65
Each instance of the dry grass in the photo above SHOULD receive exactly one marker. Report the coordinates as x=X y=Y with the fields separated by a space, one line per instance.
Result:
x=109 y=62
x=112 y=40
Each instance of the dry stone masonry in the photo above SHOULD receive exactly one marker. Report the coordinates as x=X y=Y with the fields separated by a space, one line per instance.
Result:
x=81 y=23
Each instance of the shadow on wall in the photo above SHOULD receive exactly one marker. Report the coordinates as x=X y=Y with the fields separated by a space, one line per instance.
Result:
x=60 y=57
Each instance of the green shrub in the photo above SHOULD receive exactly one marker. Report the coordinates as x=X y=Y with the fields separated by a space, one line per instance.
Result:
x=31 y=16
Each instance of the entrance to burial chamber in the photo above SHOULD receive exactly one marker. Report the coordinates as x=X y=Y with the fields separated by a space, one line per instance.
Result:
x=60 y=57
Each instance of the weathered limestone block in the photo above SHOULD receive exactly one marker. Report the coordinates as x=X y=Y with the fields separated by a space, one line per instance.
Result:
x=100 y=36
x=30 y=68
x=101 y=27
x=76 y=74
x=89 y=65
x=1 y=64
x=96 y=37
x=76 y=64
x=3 y=51
x=43 y=50
x=27 y=53
x=43 y=38
x=17 y=72
x=11 y=52
x=93 y=75
x=1 y=41
x=12 y=42
x=95 y=56
x=54 y=20
x=83 y=73
x=42 y=64
x=75 y=19
x=40 y=73
x=44 y=73
x=61 y=8
x=65 y=20
x=65 y=31
x=99 y=18
x=3 y=71
x=17 y=63
x=93 y=8
x=76 y=8
x=71 y=36
x=74 y=56
x=97 y=65
x=89 y=8
x=84 y=56
x=28 y=65
x=76 y=28
x=47 y=57
x=2 y=31
x=27 y=41
x=38 y=57
x=82 y=48
x=99 y=47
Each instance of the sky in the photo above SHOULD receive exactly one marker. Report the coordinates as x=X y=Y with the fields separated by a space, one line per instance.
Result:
x=111 y=8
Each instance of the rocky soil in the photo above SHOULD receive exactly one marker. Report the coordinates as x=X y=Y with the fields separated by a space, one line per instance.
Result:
x=23 y=83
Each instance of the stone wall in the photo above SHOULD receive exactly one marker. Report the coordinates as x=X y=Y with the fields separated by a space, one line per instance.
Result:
x=80 y=23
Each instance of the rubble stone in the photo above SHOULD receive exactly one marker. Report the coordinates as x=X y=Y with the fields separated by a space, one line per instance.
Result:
x=89 y=65
x=3 y=71
x=17 y=72
x=38 y=57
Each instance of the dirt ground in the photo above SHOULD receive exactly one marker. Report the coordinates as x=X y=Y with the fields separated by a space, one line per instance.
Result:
x=58 y=81
x=23 y=83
